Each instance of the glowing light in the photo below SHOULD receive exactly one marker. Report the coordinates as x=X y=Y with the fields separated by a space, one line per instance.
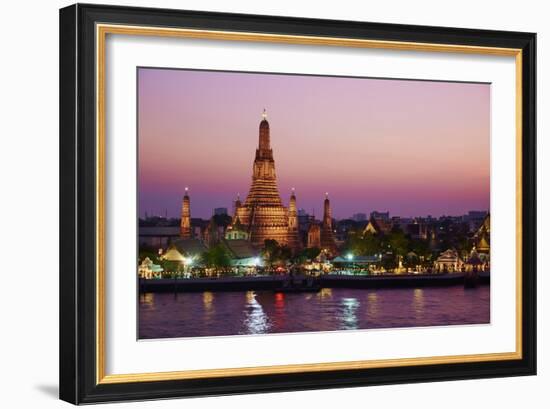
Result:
x=349 y=256
x=264 y=114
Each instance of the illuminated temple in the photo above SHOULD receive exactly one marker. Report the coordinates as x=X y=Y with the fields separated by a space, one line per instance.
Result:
x=262 y=216
x=263 y=213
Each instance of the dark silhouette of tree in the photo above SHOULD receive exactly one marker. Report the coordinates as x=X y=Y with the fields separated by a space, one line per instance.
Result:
x=216 y=257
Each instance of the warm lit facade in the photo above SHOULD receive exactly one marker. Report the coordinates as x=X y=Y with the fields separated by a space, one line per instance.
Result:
x=185 y=223
x=262 y=213
x=262 y=216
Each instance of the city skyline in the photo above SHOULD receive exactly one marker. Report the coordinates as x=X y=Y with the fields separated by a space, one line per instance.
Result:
x=163 y=214
x=413 y=148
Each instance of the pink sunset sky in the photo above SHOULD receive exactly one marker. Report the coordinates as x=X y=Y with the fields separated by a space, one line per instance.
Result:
x=415 y=148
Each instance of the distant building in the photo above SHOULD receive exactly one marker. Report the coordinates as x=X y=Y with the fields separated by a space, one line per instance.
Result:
x=377 y=226
x=359 y=217
x=474 y=219
x=416 y=230
x=220 y=211
x=380 y=215
x=158 y=236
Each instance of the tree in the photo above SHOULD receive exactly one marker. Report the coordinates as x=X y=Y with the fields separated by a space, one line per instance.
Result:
x=398 y=242
x=364 y=246
x=276 y=254
x=388 y=261
x=216 y=257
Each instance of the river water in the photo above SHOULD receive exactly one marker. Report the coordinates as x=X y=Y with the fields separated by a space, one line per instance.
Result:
x=168 y=315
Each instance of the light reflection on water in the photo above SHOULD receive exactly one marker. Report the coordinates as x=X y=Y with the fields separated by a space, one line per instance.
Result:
x=163 y=315
x=255 y=320
x=349 y=319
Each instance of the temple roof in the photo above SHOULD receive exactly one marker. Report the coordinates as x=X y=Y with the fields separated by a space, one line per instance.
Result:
x=189 y=246
x=173 y=254
x=240 y=248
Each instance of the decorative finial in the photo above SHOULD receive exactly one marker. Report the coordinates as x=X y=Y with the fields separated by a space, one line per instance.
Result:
x=264 y=115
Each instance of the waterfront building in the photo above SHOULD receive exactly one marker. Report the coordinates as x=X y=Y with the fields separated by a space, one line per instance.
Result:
x=242 y=253
x=174 y=255
x=448 y=261
x=147 y=269
x=189 y=247
x=185 y=223
x=363 y=262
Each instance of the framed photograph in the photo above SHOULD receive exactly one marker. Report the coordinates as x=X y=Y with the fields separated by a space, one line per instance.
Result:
x=257 y=203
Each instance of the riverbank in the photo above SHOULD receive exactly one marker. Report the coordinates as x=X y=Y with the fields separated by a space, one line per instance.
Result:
x=325 y=281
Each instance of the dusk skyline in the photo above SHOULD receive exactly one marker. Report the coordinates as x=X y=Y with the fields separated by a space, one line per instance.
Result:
x=409 y=147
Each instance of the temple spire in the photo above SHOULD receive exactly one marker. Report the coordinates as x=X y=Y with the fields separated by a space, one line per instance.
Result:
x=185 y=223
x=327 y=236
x=264 y=148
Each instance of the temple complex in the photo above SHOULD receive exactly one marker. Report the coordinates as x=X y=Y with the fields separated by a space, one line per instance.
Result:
x=262 y=216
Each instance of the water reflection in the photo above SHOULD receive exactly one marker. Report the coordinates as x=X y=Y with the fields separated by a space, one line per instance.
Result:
x=325 y=293
x=147 y=299
x=255 y=321
x=161 y=315
x=373 y=307
x=208 y=300
x=418 y=301
x=349 y=318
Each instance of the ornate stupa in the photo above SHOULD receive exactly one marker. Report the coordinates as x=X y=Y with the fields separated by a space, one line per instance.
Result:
x=293 y=233
x=327 y=236
x=185 y=223
x=263 y=212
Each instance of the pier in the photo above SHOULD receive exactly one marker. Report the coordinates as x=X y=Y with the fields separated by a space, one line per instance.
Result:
x=259 y=283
